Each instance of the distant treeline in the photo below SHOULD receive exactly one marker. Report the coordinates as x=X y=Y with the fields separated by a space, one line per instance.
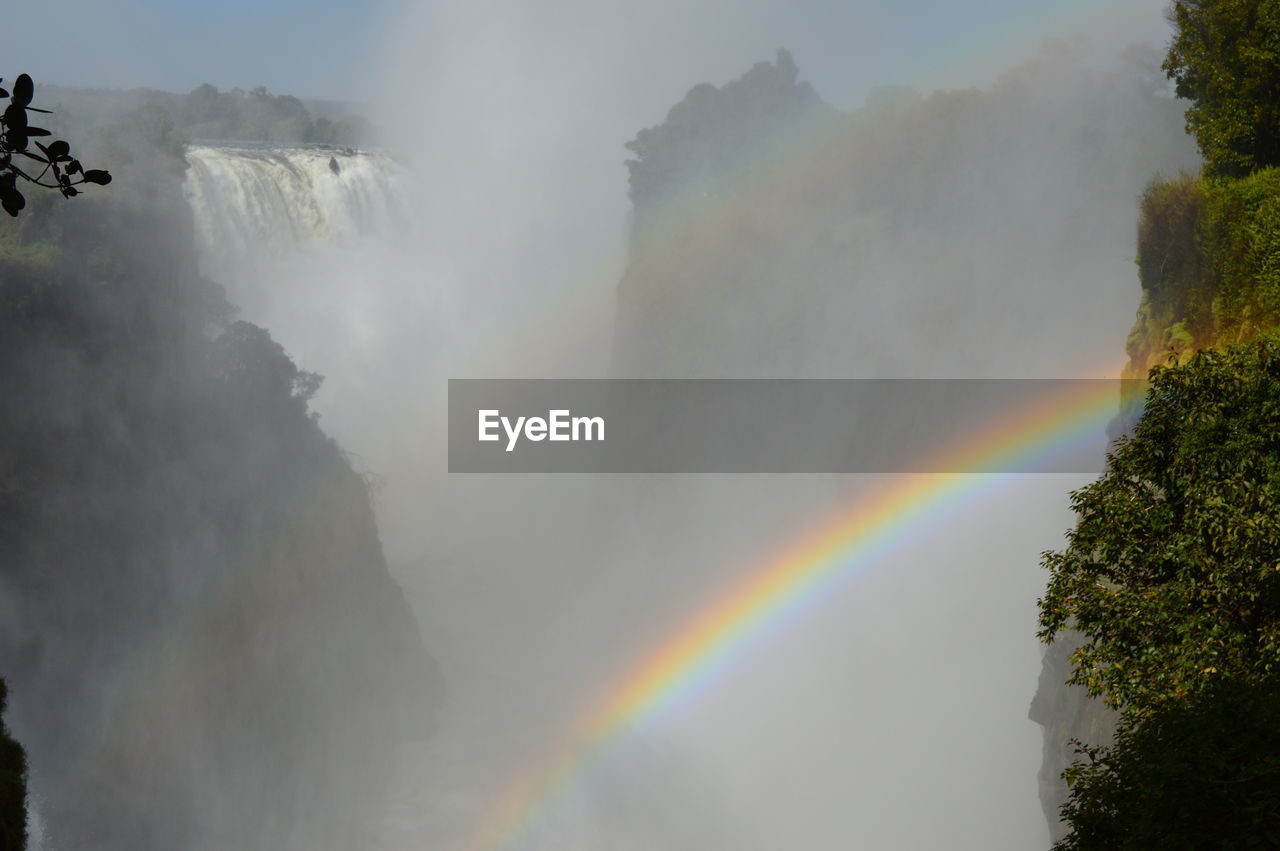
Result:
x=208 y=114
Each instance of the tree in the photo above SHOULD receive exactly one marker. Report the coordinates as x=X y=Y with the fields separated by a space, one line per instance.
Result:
x=16 y=134
x=1225 y=59
x=1201 y=773
x=1172 y=576
x=1172 y=573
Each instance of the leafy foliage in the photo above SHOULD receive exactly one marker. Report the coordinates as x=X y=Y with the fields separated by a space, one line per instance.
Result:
x=1169 y=260
x=1177 y=291
x=54 y=160
x=1172 y=580
x=1201 y=773
x=1241 y=241
x=1225 y=58
x=1209 y=262
x=1172 y=573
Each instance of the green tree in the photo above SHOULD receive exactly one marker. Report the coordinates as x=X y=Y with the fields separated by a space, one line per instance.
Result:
x=1172 y=573
x=1202 y=773
x=1225 y=59
x=1172 y=576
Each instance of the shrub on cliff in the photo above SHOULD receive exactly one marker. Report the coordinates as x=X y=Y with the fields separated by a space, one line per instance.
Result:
x=1209 y=262
x=1241 y=236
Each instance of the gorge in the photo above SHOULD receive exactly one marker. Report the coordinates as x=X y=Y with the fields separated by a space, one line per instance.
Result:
x=202 y=618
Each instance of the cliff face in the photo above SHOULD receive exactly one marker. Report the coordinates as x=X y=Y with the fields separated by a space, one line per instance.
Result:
x=202 y=641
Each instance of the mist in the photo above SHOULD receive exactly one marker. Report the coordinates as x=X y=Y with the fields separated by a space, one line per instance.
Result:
x=888 y=198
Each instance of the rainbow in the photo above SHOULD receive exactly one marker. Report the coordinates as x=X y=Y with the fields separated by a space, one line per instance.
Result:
x=803 y=573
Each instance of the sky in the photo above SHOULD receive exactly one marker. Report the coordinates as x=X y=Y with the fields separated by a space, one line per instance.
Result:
x=332 y=48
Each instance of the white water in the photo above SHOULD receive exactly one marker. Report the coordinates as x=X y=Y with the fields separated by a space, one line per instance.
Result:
x=320 y=259
x=255 y=206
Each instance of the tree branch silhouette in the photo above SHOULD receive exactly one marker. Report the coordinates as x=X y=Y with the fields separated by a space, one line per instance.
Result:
x=16 y=137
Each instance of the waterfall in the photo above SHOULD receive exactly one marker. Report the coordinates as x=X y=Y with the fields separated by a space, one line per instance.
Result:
x=325 y=249
x=255 y=206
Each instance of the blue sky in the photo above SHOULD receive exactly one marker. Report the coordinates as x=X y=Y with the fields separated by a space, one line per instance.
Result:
x=333 y=47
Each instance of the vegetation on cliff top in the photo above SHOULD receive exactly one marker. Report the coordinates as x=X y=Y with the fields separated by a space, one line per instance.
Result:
x=1209 y=264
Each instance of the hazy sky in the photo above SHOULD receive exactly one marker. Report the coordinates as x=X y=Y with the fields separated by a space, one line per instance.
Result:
x=330 y=48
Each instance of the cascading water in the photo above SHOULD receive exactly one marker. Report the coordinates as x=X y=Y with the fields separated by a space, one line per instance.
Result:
x=292 y=234
x=254 y=206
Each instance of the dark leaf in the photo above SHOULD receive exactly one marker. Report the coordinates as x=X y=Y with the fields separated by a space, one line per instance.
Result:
x=98 y=176
x=73 y=167
x=15 y=116
x=23 y=90
x=4 y=93
x=17 y=140
x=38 y=109
x=70 y=191
x=58 y=149
x=11 y=199
x=38 y=131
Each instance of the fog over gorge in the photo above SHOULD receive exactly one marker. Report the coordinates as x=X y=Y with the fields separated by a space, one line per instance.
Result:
x=244 y=607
